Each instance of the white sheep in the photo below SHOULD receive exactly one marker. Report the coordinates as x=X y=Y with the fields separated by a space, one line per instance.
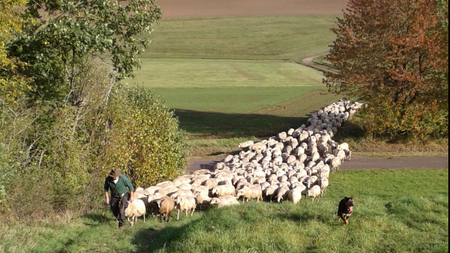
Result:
x=281 y=192
x=167 y=190
x=314 y=192
x=225 y=200
x=211 y=183
x=202 y=200
x=341 y=155
x=181 y=193
x=294 y=195
x=341 y=146
x=134 y=210
x=323 y=183
x=185 y=179
x=269 y=191
x=251 y=192
x=185 y=203
x=334 y=164
x=201 y=172
x=221 y=190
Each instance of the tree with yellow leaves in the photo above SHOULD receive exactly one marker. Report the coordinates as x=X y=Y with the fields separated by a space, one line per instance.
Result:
x=12 y=84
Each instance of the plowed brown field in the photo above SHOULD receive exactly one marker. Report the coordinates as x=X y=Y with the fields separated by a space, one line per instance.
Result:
x=220 y=8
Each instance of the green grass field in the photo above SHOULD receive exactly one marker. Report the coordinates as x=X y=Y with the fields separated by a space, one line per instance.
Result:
x=285 y=38
x=395 y=211
x=232 y=77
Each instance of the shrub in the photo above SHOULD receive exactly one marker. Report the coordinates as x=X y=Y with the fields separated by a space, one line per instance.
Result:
x=145 y=142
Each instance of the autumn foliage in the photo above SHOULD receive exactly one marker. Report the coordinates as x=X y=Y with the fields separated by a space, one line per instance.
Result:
x=394 y=56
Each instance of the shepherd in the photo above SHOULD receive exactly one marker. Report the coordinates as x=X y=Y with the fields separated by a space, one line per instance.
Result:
x=121 y=192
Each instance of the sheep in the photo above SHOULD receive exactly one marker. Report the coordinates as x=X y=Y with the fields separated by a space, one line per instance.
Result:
x=269 y=191
x=302 y=189
x=199 y=180
x=185 y=203
x=203 y=190
x=165 y=208
x=264 y=185
x=201 y=172
x=286 y=183
x=323 y=183
x=322 y=148
x=225 y=200
x=348 y=154
x=307 y=153
x=152 y=189
x=134 y=210
x=324 y=172
x=185 y=187
x=315 y=156
x=301 y=173
x=334 y=164
x=221 y=190
x=251 y=192
x=245 y=145
x=185 y=179
x=167 y=190
x=293 y=180
x=202 y=200
x=303 y=136
x=181 y=193
x=294 y=195
x=311 y=181
x=341 y=146
x=165 y=184
x=281 y=192
x=140 y=194
x=211 y=183
x=341 y=155
x=314 y=192
x=242 y=184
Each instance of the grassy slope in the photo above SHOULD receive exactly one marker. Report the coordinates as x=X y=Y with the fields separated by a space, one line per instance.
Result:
x=395 y=211
x=237 y=76
x=287 y=38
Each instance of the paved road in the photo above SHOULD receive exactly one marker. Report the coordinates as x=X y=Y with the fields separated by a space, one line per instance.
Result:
x=359 y=163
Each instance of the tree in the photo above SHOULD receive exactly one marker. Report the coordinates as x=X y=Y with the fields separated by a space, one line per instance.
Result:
x=12 y=84
x=393 y=55
x=67 y=34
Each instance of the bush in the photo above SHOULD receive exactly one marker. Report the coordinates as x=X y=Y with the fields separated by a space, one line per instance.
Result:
x=145 y=142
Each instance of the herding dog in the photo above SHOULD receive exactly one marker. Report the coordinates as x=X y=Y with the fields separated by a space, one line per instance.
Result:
x=345 y=209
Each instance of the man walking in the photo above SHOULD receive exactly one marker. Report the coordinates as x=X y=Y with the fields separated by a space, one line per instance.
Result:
x=119 y=185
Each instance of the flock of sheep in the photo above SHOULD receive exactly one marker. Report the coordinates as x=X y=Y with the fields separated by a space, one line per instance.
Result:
x=285 y=167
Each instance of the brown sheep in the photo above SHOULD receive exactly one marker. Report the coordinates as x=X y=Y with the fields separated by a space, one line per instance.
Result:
x=165 y=208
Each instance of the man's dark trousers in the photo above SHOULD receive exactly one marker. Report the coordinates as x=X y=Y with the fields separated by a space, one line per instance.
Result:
x=119 y=212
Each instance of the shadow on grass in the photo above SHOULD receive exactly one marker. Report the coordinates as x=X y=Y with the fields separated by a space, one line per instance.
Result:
x=98 y=218
x=166 y=238
x=235 y=124
x=305 y=216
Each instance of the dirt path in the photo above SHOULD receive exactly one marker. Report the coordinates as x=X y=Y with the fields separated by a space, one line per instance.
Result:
x=360 y=163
